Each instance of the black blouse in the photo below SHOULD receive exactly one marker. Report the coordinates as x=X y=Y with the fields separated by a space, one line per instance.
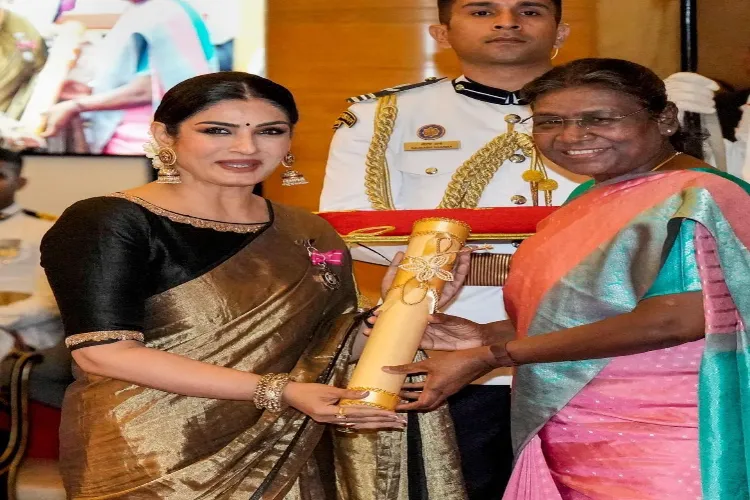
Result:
x=105 y=256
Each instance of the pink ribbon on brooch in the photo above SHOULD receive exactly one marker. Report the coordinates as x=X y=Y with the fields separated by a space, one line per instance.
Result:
x=334 y=257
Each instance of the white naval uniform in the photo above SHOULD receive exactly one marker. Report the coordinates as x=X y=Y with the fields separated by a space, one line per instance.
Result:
x=35 y=319
x=470 y=113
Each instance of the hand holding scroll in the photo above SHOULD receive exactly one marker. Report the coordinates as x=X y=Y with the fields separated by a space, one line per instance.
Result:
x=446 y=375
x=451 y=288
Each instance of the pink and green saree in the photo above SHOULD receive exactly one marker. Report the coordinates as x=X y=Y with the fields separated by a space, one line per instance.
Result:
x=667 y=424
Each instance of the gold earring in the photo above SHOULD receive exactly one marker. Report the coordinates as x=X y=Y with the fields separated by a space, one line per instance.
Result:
x=554 y=54
x=291 y=177
x=163 y=160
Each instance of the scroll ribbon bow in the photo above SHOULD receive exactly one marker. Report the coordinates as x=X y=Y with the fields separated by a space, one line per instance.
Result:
x=333 y=257
x=426 y=268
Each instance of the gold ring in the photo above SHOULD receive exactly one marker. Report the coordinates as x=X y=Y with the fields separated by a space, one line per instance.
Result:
x=341 y=415
x=346 y=429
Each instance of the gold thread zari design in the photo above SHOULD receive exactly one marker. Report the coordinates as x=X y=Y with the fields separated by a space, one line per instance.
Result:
x=81 y=338
x=225 y=227
x=468 y=182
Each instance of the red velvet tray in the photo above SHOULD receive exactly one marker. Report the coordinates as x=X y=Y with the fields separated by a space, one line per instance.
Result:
x=394 y=226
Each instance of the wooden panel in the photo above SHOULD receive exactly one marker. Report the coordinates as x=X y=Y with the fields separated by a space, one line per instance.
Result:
x=328 y=50
x=581 y=16
x=646 y=32
x=724 y=45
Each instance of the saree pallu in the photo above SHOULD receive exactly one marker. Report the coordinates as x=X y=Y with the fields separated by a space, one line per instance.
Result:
x=261 y=310
x=667 y=424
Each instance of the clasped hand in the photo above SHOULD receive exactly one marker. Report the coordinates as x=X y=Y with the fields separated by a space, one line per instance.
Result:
x=470 y=359
x=320 y=402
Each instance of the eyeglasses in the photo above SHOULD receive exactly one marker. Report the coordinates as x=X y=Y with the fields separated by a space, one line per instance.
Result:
x=593 y=122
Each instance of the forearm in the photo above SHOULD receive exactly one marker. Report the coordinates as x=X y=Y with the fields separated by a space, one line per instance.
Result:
x=132 y=362
x=135 y=93
x=655 y=324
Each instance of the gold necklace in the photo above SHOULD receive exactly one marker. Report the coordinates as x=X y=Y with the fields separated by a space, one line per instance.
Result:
x=675 y=155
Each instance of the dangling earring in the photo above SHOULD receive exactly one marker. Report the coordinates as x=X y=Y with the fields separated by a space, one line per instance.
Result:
x=163 y=160
x=291 y=177
x=554 y=54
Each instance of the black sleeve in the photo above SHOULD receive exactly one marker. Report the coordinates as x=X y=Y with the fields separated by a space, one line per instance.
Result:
x=96 y=258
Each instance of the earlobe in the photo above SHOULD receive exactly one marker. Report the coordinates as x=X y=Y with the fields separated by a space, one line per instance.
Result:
x=668 y=122
x=439 y=32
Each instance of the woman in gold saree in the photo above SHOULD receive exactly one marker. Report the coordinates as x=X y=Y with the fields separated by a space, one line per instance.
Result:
x=176 y=296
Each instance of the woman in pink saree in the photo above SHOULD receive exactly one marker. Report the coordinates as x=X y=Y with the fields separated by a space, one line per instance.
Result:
x=629 y=308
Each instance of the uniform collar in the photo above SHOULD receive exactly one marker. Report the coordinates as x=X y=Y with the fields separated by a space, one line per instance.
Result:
x=8 y=212
x=470 y=88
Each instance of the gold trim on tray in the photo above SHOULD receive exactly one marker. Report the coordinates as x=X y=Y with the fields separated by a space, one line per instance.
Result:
x=377 y=239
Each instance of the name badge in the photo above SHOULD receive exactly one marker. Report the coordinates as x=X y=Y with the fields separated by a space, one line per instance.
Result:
x=431 y=146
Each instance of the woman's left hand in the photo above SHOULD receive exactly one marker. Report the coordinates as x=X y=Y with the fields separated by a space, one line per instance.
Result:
x=446 y=375
x=451 y=288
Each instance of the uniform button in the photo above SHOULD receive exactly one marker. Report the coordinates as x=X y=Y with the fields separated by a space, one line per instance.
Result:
x=517 y=158
x=431 y=171
x=518 y=199
x=460 y=87
x=512 y=119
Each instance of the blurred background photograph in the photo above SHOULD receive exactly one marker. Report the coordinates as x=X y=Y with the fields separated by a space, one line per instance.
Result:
x=84 y=76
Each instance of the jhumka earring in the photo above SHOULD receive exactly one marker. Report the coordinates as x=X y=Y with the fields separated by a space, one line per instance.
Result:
x=291 y=177
x=163 y=160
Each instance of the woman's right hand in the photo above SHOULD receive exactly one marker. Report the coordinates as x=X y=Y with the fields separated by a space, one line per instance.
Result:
x=320 y=402
x=451 y=333
x=445 y=332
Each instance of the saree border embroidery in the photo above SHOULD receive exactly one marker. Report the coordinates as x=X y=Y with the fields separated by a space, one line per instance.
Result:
x=226 y=227
x=81 y=338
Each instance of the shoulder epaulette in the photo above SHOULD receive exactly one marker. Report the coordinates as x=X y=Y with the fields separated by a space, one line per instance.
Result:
x=393 y=90
x=40 y=215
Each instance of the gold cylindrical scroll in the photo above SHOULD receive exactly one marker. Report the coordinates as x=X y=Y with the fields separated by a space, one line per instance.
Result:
x=431 y=253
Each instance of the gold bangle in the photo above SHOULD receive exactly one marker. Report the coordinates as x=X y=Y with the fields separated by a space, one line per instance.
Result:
x=269 y=390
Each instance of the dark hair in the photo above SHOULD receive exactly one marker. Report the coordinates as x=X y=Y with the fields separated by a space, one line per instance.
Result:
x=13 y=159
x=198 y=93
x=619 y=75
x=445 y=7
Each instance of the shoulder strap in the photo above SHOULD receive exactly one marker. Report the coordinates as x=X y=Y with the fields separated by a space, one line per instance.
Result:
x=393 y=90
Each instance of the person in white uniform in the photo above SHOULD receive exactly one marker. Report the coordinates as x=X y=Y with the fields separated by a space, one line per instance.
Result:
x=696 y=93
x=28 y=312
x=444 y=144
